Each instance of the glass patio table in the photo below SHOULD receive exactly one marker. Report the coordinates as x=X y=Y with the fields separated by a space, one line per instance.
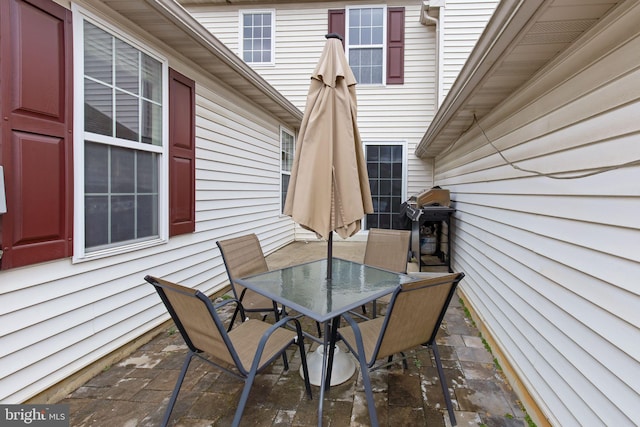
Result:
x=306 y=289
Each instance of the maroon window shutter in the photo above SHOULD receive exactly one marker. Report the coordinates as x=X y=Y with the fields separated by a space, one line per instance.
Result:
x=182 y=154
x=36 y=93
x=337 y=23
x=395 y=45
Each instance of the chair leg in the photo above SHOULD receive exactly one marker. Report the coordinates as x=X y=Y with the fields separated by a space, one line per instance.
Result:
x=333 y=337
x=303 y=358
x=364 y=369
x=366 y=381
x=276 y=313
x=405 y=365
x=443 y=383
x=176 y=389
x=248 y=382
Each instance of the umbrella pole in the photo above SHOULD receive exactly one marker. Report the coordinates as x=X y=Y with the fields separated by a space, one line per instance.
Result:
x=329 y=255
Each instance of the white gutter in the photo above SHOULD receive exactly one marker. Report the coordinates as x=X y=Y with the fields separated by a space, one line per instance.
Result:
x=179 y=16
x=507 y=20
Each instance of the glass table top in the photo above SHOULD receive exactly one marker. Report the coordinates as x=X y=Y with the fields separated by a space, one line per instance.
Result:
x=305 y=287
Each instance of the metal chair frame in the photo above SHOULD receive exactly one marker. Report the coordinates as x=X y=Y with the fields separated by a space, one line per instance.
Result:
x=249 y=242
x=391 y=259
x=368 y=366
x=248 y=376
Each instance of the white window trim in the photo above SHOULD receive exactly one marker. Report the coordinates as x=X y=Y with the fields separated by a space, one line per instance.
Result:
x=405 y=166
x=347 y=42
x=282 y=171
x=241 y=14
x=79 y=252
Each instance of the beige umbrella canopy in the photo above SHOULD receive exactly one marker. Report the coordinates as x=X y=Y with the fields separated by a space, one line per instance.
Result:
x=329 y=186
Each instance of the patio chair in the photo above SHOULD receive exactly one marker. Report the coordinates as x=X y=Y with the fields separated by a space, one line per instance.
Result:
x=413 y=318
x=249 y=348
x=389 y=250
x=243 y=257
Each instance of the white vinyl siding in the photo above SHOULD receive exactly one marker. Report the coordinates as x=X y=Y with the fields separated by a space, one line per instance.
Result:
x=553 y=264
x=385 y=113
x=58 y=318
x=462 y=22
x=238 y=171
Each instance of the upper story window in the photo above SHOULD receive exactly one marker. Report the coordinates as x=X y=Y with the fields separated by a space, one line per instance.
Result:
x=257 y=36
x=365 y=43
x=374 y=42
x=120 y=173
x=287 y=148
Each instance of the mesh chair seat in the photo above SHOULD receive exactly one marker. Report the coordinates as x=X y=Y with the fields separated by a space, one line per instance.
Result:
x=246 y=338
x=389 y=250
x=249 y=348
x=370 y=331
x=413 y=318
x=243 y=257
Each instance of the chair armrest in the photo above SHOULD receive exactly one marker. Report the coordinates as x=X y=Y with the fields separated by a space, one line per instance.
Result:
x=356 y=329
x=359 y=350
x=350 y=321
x=263 y=340
x=282 y=322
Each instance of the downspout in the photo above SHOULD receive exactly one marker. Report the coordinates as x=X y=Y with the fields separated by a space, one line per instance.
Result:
x=431 y=14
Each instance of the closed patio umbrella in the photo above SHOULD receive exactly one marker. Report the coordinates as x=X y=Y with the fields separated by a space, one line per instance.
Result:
x=329 y=186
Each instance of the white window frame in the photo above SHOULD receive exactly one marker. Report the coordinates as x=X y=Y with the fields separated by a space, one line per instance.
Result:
x=348 y=44
x=80 y=253
x=241 y=14
x=282 y=171
x=405 y=166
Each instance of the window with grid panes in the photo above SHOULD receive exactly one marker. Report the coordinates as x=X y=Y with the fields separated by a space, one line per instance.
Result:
x=123 y=140
x=385 y=168
x=365 y=43
x=287 y=148
x=257 y=36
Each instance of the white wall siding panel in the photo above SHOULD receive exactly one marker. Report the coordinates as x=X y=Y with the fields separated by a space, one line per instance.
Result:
x=462 y=22
x=393 y=113
x=552 y=264
x=57 y=317
x=238 y=183
x=222 y=23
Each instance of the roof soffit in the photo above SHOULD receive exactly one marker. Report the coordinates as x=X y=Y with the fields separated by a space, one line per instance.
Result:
x=519 y=40
x=170 y=23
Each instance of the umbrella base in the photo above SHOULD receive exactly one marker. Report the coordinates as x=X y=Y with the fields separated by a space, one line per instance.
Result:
x=343 y=367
